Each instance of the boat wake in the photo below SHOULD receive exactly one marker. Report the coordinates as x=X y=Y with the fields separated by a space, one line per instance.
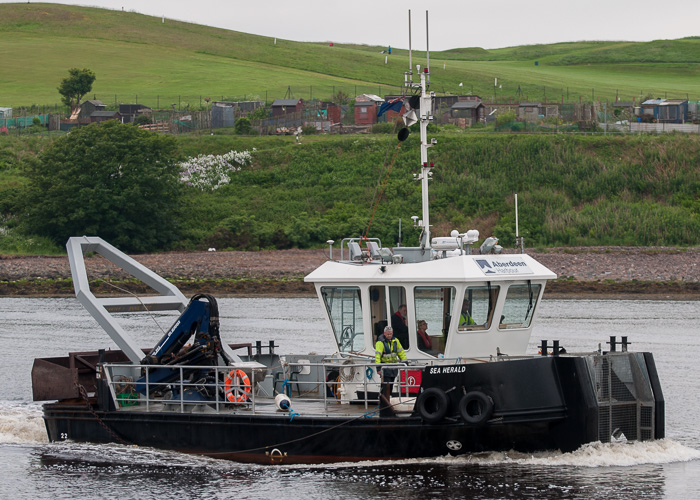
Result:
x=21 y=423
x=664 y=451
x=598 y=454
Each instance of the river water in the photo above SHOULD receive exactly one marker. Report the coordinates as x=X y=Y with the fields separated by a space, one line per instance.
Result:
x=33 y=468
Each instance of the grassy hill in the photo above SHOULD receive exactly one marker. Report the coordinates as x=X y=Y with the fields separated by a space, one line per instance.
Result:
x=138 y=57
x=573 y=190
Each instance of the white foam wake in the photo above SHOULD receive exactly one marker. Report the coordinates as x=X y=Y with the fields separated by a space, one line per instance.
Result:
x=598 y=454
x=21 y=424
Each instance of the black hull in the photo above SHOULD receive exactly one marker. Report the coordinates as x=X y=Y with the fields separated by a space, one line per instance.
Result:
x=543 y=403
x=304 y=440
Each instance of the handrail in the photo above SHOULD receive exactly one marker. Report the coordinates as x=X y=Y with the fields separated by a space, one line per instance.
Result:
x=189 y=390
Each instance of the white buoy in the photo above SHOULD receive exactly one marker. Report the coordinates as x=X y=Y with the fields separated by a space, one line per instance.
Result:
x=282 y=402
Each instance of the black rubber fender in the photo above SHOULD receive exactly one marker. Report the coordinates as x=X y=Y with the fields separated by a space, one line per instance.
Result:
x=475 y=408
x=432 y=405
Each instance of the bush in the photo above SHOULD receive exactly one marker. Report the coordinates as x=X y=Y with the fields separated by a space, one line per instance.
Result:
x=142 y=120
x=243 y=126
x=505 y=119
x=308 y=130
x=210 y=172
x=383 y=128
x=111 y=180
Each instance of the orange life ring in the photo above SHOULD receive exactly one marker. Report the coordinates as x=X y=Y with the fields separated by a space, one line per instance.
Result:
x=237 y=386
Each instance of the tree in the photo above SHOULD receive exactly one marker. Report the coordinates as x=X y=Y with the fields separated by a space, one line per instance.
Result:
x=111 y=180
x=75 y=86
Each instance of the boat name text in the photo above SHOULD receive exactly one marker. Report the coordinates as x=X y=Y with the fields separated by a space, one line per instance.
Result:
x=443 y=370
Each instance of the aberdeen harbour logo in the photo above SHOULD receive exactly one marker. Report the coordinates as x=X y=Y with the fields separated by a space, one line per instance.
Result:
x=503 y=265
x=485 y=266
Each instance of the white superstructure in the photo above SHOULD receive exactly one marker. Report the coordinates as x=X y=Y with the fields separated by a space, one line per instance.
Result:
x=476 y=305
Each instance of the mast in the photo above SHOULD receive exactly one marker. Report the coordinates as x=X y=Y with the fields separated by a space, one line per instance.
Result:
x=424 y=112
x=425 y=115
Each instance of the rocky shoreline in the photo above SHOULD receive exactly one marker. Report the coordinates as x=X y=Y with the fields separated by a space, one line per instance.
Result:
x=617 y=272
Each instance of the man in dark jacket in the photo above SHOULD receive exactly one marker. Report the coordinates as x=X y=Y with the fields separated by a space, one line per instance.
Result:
x=399 y=322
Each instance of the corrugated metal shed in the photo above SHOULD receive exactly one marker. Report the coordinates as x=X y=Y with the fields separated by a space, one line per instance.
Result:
x=369 y=98
x=5 y=112
x=673 y=102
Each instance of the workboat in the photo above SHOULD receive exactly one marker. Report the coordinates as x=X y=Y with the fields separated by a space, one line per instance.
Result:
x=467 y=383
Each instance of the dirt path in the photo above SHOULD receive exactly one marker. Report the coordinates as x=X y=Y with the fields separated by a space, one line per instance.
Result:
x=613 y=270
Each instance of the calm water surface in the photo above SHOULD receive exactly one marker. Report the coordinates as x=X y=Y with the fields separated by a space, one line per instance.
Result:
x=34 y=468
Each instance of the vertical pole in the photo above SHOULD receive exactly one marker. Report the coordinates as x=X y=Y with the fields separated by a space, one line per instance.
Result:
x=605 y=112
x=410 y=53
x=427 y=47
x=425 y=114
x=517 y=233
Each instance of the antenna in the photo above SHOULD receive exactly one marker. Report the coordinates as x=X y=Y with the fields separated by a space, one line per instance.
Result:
x=427 y=46
x=410 y=56
x=517 y=235
x=519 y=242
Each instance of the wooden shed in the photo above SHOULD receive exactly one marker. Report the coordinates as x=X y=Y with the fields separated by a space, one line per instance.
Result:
x=101 y=116
x=366 y=106
x=529 y=111
x=673 y=111
x=472 y=111
x=129 y=112
x=286 y=106
x=87 y=108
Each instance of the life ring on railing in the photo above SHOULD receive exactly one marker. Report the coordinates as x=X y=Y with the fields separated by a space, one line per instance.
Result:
x=475 y=408
x=237 y=386
x=432 y=405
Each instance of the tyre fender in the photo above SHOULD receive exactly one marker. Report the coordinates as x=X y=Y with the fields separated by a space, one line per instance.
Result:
x=475 y=408
x=432 y=405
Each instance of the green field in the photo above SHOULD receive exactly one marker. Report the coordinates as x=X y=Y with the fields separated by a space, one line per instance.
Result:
x=138 y=57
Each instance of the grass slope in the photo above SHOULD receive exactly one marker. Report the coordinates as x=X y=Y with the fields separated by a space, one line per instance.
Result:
x=573 y=190
x=136 y=55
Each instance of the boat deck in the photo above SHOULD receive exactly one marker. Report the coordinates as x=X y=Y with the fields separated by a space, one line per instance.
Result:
x=402 y=406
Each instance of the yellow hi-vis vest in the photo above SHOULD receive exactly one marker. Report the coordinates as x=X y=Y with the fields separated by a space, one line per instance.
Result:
x=389 y=352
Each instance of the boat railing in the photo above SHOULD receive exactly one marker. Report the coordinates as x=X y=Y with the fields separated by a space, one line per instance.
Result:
x=332 y=386
x=372 y=249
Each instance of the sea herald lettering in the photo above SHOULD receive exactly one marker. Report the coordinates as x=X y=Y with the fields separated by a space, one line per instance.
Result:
x=444 y=370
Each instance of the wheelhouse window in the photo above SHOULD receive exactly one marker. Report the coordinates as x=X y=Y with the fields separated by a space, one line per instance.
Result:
x=344 y=306
x=433 y=306
x=476 y=312
x=519 y=306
